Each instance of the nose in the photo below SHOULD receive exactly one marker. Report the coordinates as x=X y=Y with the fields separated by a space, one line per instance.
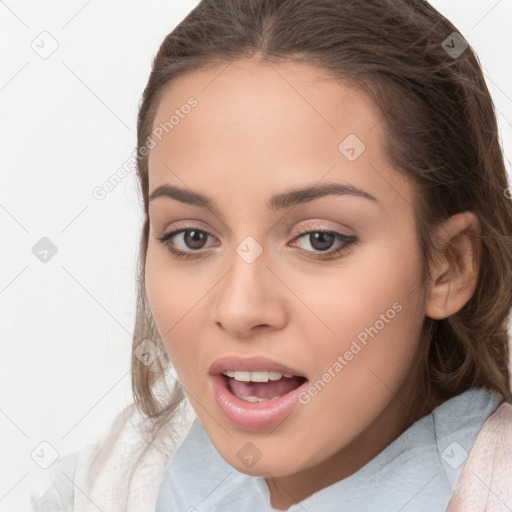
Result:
x=249 y=298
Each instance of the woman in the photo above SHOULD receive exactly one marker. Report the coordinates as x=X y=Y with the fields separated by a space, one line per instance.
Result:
x=325 y=262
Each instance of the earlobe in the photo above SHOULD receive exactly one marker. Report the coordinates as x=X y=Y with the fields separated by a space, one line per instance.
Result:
x=455 y=273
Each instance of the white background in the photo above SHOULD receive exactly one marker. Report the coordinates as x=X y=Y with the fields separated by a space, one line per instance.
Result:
x=67 y=124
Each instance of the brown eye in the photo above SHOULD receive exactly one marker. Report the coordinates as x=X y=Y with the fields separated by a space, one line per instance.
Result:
x=194 y=239
x=321 y=240
x=318 y=243
x=185 y=243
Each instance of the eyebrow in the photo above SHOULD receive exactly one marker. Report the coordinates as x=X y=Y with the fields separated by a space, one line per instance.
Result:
x=280 y=201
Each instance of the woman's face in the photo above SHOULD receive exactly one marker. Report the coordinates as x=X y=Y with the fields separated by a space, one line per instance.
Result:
x=283 y=274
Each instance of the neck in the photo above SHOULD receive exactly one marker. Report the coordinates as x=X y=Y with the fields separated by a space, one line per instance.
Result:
x=404 y=409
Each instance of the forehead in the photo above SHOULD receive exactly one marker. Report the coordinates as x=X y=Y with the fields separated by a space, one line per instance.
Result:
x=267 y=121
x=292 y=99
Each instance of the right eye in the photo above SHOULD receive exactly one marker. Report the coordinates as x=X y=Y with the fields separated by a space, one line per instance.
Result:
x=188 y=238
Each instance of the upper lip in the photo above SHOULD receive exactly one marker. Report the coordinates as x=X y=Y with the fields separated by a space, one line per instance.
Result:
x=250 y=364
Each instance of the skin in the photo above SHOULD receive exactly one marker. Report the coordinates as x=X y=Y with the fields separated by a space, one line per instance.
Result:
x=263 y=129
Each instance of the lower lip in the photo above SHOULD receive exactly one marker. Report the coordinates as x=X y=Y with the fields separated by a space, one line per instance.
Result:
x=253 y=415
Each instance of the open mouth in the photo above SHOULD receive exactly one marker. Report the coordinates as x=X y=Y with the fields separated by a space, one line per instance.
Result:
x=260 y=386
x=256 y=392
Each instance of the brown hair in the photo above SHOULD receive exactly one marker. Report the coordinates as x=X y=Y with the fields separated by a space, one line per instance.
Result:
x=441 y=132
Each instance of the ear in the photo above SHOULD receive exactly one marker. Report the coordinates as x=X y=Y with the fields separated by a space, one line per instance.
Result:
x=456 y=268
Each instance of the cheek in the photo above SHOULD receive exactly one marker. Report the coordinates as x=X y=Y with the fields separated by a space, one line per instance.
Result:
x=371 y=313
x=158 y=283
x=367 y=284
x=176 y=298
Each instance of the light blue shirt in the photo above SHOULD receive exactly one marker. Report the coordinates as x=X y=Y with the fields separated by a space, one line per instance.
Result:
x=417 y=472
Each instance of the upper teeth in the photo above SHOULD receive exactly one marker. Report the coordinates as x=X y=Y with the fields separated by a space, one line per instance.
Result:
x=255 y=376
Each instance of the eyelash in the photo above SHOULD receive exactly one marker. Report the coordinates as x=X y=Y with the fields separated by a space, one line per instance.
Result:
x=348 y=240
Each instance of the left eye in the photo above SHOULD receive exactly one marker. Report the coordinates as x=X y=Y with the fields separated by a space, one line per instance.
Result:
x=322 y=241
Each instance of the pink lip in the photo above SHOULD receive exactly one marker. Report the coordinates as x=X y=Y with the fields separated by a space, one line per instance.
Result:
x=251 y=415
x=250 y=364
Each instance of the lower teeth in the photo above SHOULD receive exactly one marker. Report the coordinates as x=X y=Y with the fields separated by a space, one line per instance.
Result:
x=256 y=399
